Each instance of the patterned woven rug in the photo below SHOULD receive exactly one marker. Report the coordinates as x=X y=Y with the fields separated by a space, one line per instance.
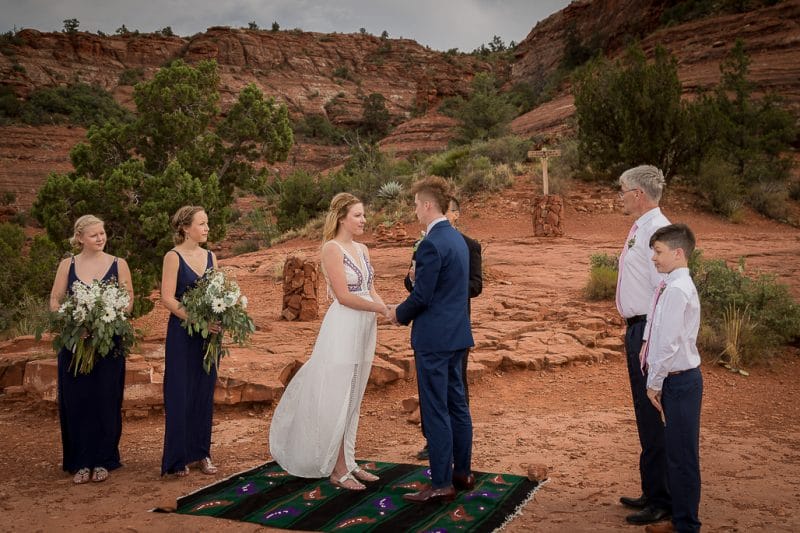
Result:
x=269 y=496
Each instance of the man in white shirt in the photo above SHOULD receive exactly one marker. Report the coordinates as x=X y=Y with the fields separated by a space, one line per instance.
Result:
x=674 y=381
x=640 y=191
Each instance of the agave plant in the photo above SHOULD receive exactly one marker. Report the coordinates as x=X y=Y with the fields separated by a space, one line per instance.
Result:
x=390 y=190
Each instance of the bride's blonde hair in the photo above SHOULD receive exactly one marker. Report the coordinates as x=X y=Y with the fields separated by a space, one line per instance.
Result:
x=340 y=205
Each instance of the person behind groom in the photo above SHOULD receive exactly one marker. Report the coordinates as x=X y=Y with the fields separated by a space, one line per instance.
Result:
x=440 y=337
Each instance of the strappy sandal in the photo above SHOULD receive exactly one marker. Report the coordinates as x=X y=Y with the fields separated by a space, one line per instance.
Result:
x=347 y=482
x=207 y=467
x=99 y=474
x=182 y=473
x=82 y=476
x=363 y=475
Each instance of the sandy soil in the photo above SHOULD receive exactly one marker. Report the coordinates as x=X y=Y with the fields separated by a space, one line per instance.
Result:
x=575 y=419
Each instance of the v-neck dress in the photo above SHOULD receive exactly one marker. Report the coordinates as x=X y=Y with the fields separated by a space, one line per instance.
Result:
x=319 y=408
x=90 y=405
x=188 y=390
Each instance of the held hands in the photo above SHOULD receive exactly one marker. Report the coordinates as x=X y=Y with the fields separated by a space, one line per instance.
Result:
x=392 y=314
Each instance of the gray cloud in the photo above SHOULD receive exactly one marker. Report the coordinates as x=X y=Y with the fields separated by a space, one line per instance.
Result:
x=440 y=24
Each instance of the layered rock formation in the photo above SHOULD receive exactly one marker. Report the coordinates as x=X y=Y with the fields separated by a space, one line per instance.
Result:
x=771 y=36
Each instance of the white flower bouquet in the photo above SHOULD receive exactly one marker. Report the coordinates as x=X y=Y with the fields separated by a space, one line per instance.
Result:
x=216 y=299
x=89 y=322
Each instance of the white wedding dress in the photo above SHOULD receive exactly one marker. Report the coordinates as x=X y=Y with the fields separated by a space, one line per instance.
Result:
x=320 y=406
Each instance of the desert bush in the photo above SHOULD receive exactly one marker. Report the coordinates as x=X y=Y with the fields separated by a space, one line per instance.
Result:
x=260 y=221
x=770 y=199
x=32 y=315
x=508 y=149
x=300 y=200
x=485 y=114
x=131 y=76
x=77 y=103
x=719 y=183
x=245 y=247
x=602 y=283
x=477 y=175
x=773 y=315
x=26 y=272
x=317 y=126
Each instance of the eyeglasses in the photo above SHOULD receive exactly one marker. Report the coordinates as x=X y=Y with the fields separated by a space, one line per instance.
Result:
x=623 y=192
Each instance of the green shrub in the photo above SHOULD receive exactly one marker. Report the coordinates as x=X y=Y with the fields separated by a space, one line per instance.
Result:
x=720 y=184
x=770 y=199
x=300 y=200
x=447 y=164
x=509 y=149
x=773 y=314
x=23 y=276
x=317 y=126
x=245 y=247
x=260 y=221
x=131 y=76
x=77 y=103
x=602 y=283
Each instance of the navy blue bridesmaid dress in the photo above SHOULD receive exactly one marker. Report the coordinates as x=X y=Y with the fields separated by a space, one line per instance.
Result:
x=90 y=405
x=188 y=390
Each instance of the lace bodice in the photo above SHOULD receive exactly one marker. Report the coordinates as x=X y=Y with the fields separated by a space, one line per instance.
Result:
x=358 y=272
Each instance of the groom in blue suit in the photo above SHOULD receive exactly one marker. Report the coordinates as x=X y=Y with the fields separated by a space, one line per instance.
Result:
x=440 y=337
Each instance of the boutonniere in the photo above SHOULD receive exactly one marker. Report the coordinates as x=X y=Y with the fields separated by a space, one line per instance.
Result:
x=631 y=242
x=416 y=243
x=662 y=287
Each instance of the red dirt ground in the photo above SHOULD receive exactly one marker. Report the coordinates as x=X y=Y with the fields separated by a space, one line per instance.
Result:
x=575 y=419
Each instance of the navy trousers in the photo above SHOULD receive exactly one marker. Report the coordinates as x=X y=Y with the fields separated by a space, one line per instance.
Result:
x=652 y=459
x=681 y=397
x=443 y=406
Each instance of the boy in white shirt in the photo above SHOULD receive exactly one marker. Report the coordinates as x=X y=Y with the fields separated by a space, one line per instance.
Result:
x=674 y=382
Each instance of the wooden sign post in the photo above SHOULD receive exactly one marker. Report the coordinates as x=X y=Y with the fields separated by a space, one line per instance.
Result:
x=543 y=155
x=548 y=210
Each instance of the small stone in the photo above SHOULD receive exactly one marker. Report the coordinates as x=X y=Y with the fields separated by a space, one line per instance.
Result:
x=537 y=472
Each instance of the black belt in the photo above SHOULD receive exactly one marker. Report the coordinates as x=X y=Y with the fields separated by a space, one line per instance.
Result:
x=635 y=319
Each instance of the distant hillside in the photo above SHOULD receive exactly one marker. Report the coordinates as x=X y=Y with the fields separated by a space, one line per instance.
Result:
x=771 y=35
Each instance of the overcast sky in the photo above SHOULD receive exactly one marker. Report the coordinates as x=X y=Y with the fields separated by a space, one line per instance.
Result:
x=440 y=24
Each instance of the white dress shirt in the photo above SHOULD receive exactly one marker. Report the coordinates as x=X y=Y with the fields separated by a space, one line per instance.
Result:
x=672 y=329
x=638 y=275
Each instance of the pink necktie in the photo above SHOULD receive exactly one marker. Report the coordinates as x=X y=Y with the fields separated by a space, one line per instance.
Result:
x=659 y=292
x=621 y=264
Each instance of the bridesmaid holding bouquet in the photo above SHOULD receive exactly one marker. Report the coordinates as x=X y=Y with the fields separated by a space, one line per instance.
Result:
x=90 y=404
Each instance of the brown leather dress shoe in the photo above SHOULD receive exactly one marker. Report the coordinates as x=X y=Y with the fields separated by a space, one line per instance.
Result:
x=663 y=527
x=464 y=482
x=446 y=494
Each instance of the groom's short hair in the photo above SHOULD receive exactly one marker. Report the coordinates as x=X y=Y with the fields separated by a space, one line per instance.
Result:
x=436 y=189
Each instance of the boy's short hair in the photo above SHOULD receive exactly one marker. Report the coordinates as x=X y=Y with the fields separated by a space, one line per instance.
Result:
x=436 y=188
x=645 y=177
x=675 y=236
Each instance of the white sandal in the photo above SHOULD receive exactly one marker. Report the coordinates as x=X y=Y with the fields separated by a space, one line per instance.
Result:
x=344 y=479
x=363 y=475
x=82 y=476
x=99 y=474
x=207 y=467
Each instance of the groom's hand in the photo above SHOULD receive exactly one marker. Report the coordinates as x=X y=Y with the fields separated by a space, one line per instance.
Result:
x=392 y=314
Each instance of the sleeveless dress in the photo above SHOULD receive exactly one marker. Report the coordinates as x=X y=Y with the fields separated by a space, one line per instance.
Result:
x=188 y=390
x=90 y=405
x=320 y=406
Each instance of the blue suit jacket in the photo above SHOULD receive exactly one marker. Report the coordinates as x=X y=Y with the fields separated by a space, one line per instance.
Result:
x=438 y=305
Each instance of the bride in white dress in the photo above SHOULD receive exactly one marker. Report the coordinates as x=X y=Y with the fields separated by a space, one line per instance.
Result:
x=313 y=430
